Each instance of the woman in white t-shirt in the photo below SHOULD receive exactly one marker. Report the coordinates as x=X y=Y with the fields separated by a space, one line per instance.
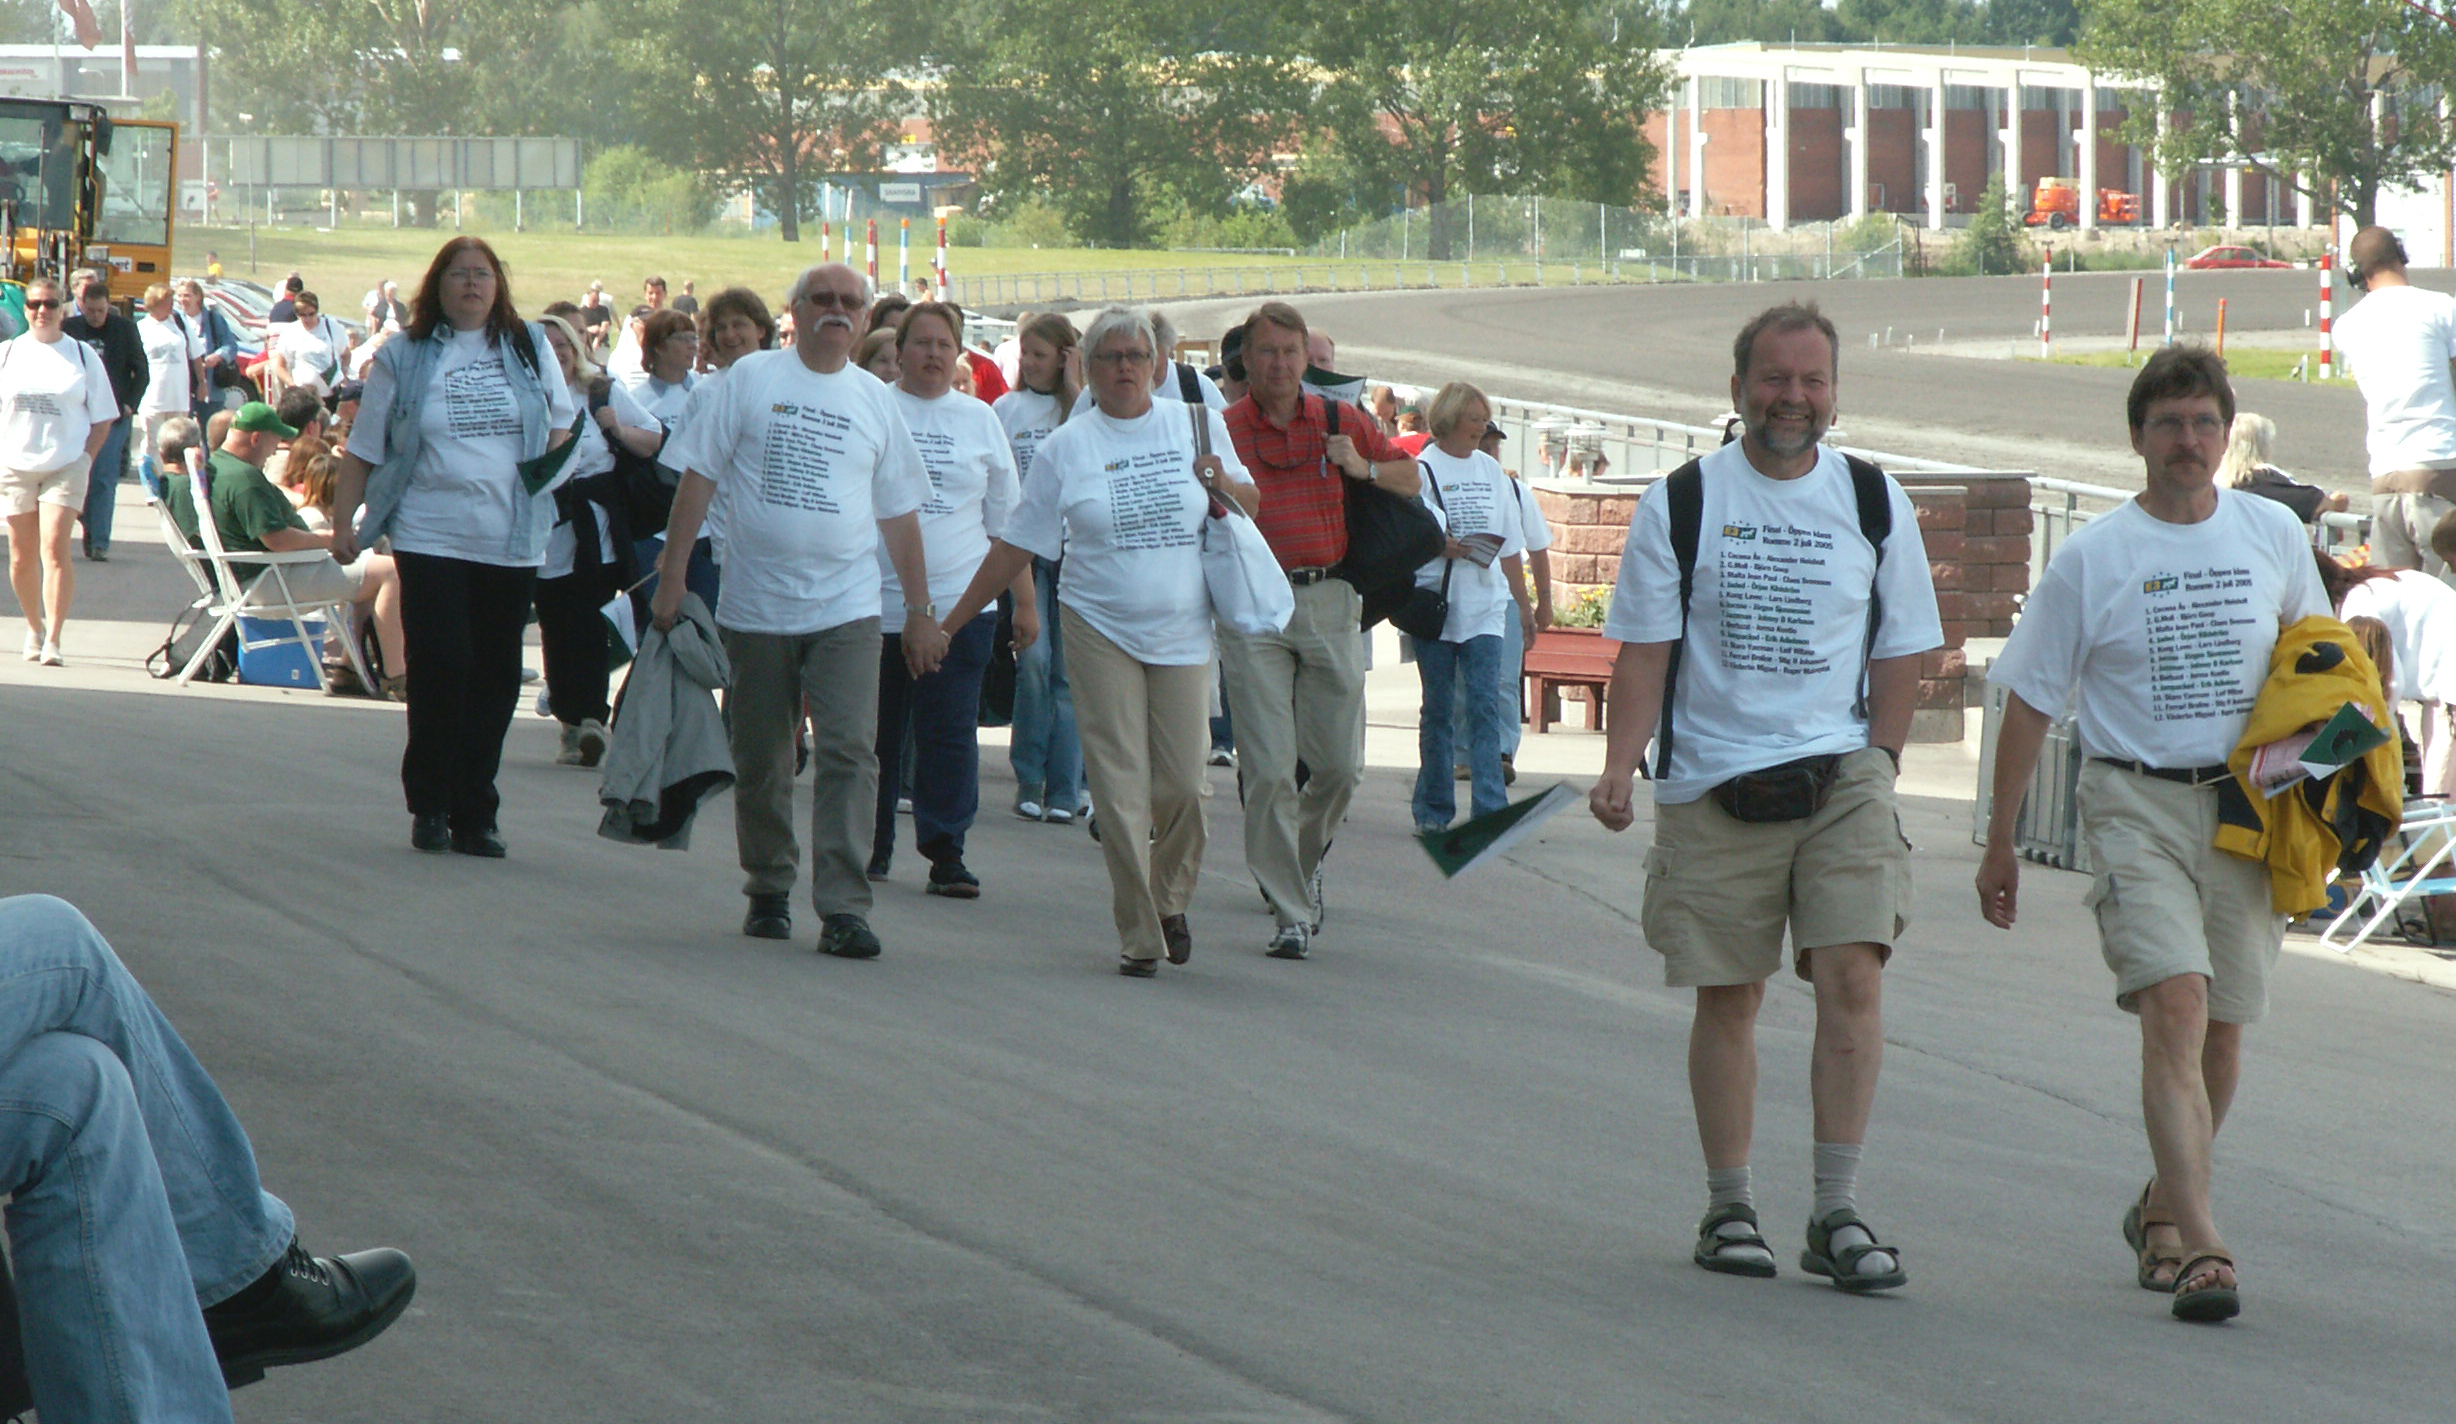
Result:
x=972 y=491
x=2420 y=613
x=169 y=377
x=455 y=406
x=56 y=410
x=1480 y=570
x=1041 y=741
x=1122 y=490
x=308 y=351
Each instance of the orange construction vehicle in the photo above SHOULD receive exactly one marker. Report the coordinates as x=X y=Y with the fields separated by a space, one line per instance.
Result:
x=2057 y=205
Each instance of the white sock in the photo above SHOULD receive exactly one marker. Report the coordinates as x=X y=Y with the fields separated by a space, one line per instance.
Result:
x=1729 y=1186
x=1837 y=1189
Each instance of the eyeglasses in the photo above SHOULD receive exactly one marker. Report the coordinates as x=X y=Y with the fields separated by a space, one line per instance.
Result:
x=1123 y=358
x=834 y=301
x=42 y=304
x=2171 y=426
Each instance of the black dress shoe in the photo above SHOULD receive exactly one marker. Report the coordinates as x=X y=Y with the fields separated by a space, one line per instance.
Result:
x=309 y=1308
x=431 y=833
x=769 y=917
x=485 y=841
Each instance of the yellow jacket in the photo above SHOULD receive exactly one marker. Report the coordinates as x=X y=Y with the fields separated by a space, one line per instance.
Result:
x=2313 y=831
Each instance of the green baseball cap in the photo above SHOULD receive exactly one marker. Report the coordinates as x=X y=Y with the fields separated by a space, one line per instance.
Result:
x=256 y=415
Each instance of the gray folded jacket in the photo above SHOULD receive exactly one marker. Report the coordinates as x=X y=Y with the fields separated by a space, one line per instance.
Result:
x=669 y=753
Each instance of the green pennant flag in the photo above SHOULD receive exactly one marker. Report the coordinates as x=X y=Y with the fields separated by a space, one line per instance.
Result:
x=538 y=472
x=622 y=626
x=1465 y=846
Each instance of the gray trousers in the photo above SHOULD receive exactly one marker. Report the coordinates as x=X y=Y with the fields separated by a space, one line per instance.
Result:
x=835 y=671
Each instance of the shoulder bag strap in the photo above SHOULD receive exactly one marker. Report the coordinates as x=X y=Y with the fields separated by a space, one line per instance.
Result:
x=1875 y=525
x=1448 y=565
x=1685 y=489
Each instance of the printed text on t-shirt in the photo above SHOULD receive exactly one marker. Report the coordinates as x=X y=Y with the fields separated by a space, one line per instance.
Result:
x=1147 y=500
x=2196 y=623
x=1770 y=574
x=938 y=455
x=477 y=402
x=804 y=442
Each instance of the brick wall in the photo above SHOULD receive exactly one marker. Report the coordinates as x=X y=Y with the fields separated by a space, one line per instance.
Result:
x=1977 y=532
x=1820 y=186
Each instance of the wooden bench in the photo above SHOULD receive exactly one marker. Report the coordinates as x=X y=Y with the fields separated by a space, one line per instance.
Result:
x=1568 y=657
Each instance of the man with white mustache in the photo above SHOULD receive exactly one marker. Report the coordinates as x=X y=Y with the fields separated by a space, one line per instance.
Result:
x=819 y=474
x=1773 y=604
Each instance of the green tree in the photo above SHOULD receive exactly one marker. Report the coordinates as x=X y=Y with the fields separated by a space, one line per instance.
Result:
x=1992 y=245
x=1431 y=98
x=2039 y=22
x=2288 y=89
x=1705 y=22
x=1119 y=115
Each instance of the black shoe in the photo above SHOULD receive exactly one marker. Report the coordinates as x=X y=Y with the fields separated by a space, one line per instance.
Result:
x=1134 y=968
x=949 y=878
x=1178 y=936
x=879 y=865
x=309 y=1308
x=847 y=936
x=485 y=842
x=431 y=833
x=770 y=917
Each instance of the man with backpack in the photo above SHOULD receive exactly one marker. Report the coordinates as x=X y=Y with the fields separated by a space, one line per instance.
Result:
x=1773 y=601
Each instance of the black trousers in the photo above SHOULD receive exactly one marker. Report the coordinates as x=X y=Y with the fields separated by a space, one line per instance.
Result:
x=461 y=623
x=572 y=633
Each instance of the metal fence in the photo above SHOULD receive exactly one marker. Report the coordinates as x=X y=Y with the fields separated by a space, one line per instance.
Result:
x=1655 y=246
x=1023 y=289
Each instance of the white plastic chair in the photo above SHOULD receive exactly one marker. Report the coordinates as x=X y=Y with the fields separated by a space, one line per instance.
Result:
x=264 y=595
x=2421 y=865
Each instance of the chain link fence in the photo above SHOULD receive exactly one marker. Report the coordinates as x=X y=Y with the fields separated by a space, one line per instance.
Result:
x=1624 y=244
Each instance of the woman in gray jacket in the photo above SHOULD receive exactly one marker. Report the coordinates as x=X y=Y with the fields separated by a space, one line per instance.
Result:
x=452 y=409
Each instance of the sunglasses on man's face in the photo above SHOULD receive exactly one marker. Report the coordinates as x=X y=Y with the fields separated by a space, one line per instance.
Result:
x=42 y=304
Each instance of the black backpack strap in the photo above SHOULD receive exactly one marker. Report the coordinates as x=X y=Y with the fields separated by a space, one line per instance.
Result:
x=1869 y=487
x=1189 y=385
x=1684 y=490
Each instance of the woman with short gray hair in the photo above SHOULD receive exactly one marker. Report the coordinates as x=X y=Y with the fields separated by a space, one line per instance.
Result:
x=1122 y=491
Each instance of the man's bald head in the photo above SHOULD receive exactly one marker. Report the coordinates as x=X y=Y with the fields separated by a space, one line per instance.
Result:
x=2373 y=251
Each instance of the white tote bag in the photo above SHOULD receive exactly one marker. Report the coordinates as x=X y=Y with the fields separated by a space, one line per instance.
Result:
x=1250 y=593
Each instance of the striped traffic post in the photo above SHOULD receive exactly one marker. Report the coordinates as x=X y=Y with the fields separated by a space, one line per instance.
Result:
x=827 y=241
x=903 y=255
x=2328 y=299
x=943 y=293
x=2170 y=296
x=873 y=253
x=2046 y=307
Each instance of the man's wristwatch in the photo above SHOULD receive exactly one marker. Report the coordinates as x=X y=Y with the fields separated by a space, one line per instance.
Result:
x=925 y=610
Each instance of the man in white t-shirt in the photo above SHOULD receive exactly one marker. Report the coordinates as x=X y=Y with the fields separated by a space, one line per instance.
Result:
x=2401 y=341
x=818 y=472
x=2155 y=624
x=1778 y=700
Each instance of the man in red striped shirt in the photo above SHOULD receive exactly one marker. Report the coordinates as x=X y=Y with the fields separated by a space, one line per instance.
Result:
x=1298 y=695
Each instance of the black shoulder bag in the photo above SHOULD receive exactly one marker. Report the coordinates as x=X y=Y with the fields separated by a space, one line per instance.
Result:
x=1389 y=537
x=1426 y=611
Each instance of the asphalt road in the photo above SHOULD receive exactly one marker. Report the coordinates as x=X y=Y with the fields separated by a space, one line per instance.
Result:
x=1665 y=351
x=1442 y=1174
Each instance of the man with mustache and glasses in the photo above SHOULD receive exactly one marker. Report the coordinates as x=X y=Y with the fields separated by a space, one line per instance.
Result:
x=818 y=473
x=2156 y=623
x=1774 y=599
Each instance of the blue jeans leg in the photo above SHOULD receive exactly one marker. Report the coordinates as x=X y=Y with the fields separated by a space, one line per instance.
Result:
x=1436 y=799
x=1043 y=746
x=110 y=1319
x=1510 y=691
x=946 y=740
x=1479 y=668
x=102 y=486
x=58 y=975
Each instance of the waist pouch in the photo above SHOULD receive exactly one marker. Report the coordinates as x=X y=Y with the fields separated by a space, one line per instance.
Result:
x=1793 y=791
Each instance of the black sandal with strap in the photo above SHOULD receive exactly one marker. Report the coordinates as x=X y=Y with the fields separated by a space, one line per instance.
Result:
x=2211 y=1304
x=1711 y=1244
x=2137 y=1224
x=1842 y=1265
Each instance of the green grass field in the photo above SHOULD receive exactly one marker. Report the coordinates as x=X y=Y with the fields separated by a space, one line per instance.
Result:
x=2253 y=362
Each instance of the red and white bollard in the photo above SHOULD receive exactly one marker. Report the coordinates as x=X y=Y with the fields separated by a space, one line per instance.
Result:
x=827 y=241
x=2328 y=309
x=2046 y=306
x=943 y=294
x=873 y=254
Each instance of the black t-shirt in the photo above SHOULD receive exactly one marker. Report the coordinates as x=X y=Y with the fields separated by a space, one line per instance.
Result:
x=686 y=304
x=283 y=310
x=597 y=318
x=2272 y=483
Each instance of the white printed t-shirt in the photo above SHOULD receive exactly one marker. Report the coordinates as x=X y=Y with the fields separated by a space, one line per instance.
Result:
x=1472 y=496
x=464 y=499
x=1119 y=499
x=2420 y=612
x=166 y=366
x=1028 y=418
x=2400 y=340
x=972 y=492
x=1778 y=618
x=2159 y=634
x=313 y=352
x=52 y=395
x=806 y=464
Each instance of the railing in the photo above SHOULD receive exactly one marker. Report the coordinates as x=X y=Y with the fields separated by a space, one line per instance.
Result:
x=2057 y=507
x=1564 y=443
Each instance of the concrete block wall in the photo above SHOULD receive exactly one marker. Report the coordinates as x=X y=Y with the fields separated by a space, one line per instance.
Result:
x=1977 y=532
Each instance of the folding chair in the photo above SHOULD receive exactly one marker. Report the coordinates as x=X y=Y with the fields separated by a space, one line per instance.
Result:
x=2422 y=864
x=265 y=595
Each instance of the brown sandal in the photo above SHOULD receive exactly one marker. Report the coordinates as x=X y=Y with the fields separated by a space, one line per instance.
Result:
x=2213 y=1302
x=2137 y=1224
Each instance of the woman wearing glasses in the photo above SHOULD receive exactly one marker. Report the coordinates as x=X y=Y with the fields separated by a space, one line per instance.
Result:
x=453 y=407
x=56 y=410
x=1122 y=491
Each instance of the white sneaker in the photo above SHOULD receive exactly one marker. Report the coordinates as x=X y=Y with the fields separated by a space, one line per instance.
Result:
x=51 y=655
x=34 y=646
x=592 y=741
x=1029 y=810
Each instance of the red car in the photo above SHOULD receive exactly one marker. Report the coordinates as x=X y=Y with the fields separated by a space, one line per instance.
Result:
x=2218 y=258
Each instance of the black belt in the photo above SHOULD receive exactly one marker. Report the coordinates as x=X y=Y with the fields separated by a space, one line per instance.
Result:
x=1302 y=577
x=2187 y=775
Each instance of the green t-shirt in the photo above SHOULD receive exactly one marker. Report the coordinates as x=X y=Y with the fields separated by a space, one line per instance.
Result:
x=246 y=507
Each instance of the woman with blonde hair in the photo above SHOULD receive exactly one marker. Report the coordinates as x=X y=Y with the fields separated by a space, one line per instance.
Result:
x=2246 y=467
x=57 y=410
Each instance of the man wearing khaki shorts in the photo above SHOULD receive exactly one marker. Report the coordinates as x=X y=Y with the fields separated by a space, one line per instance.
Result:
x=2155 y=623
x=1791 y=671
x=2401 y=341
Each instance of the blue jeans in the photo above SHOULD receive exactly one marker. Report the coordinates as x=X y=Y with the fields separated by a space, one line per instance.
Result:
x=136 y=1196
x=699 y=576
x=1455 y=673
x=1042 y=745
x=1507 y=690
x=943 y=713
x=102 y=486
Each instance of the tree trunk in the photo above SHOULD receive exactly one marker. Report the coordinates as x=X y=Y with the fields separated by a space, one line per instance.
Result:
x=788 y=184
x=1437 y=240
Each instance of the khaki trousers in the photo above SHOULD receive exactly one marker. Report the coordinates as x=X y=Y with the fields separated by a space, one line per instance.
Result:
x=836 y=671
x=1145 y=732
x=1298 y=696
